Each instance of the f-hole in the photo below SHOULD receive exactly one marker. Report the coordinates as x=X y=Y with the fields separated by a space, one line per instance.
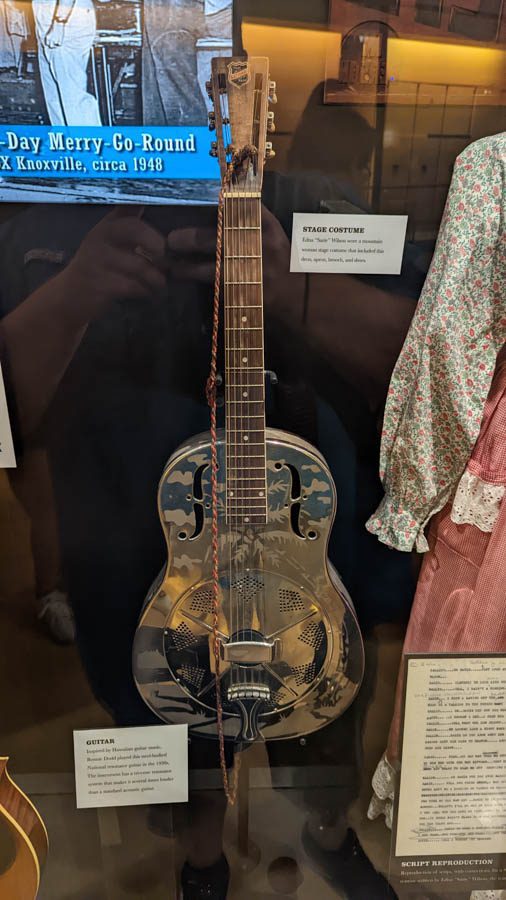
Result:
x=295 y=506
x=198 y=497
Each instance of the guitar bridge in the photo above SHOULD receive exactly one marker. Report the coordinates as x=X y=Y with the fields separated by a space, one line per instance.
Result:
x=249 y=692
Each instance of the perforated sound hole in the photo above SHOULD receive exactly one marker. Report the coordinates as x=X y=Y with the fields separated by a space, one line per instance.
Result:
x=280 y=696
x=193 y=675
x=290 y=601
x=202 y=601
x=304 y=674
x=182 y=636
x=248 y=586
x=313 y=635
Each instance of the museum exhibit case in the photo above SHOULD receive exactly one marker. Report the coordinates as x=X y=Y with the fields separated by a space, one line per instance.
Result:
x=252 y=450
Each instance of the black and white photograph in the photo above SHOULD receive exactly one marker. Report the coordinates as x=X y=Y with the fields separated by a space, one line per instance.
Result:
x=108 y=64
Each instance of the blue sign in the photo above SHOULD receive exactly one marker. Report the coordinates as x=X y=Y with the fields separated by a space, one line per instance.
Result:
x=40 y=151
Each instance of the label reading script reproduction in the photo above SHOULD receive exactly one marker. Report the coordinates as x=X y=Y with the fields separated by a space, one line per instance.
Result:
x=131 y=766
x=7 y=455
x=451 y=812
x=360 y=245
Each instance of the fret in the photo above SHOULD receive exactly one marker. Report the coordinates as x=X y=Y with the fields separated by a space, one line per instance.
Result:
x=236 y=501
x=256 y=502
x=250 y=487
x=243 y=256
x=260 y=493
x=242 y=282
x=247 y=415
x=244 y=386
x=245 y=511
x=242 y=227
x=244 y=458
x=248 y=477
x=247 y=516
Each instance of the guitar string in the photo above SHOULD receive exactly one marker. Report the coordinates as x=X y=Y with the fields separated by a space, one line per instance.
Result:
x=259 y=321
x=237 y=159
x=229 y=390
x=237 y=357
x=236 y=380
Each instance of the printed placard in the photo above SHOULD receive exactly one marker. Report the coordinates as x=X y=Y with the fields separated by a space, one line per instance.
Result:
x=353 y=244
x=450 y=821
x=131 y=766
x=7 y=455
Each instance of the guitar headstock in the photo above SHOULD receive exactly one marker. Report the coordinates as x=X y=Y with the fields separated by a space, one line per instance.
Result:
x=241 y=92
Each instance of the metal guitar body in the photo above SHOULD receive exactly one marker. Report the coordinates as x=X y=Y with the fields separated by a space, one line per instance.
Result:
x=291 y=649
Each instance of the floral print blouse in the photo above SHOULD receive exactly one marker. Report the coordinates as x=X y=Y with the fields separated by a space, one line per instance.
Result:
x=441 y=380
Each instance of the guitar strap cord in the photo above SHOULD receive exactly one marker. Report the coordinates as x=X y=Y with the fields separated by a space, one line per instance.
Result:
x=230 y=785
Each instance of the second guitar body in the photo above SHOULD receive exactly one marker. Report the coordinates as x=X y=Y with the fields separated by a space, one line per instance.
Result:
x=291 y=649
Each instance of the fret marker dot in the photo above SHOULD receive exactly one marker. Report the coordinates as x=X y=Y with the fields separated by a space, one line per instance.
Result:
x=246 y=518
x=244 y=319
x=260 y=493
x=231 y=493
x=245 y=393
x=245 y=437
x=245 y=359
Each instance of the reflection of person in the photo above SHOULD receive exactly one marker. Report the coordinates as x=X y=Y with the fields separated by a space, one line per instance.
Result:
x=32 y=486
x=13 y=30
x=180 y=38
x=97 y=355
x=65 y=31
x=328 y=153
x=106 y=343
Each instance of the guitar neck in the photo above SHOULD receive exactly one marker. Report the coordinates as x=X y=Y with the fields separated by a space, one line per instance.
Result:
x=244 y=359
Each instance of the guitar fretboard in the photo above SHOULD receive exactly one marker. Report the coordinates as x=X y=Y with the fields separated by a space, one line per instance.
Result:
x=244 y=360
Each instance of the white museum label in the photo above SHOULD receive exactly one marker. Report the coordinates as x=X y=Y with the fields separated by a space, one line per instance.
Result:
x=7 y=455
x=453 y=773
x=131 y=766
x=358 y=245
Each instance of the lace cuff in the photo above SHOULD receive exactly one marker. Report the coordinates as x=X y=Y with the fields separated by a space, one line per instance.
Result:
x=384 y=785
x=477 y=502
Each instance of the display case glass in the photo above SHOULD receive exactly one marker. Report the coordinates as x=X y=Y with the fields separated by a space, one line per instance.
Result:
x=252 y=509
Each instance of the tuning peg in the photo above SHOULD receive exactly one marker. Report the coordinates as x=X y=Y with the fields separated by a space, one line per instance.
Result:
x=212 y=120
x=209 y=89
x=272 y=92
x=269 y=152
x=214 y=149
x=270 y=122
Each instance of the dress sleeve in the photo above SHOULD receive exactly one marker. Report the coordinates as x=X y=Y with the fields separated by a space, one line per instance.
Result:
x=5 y=374
x=440 y=383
